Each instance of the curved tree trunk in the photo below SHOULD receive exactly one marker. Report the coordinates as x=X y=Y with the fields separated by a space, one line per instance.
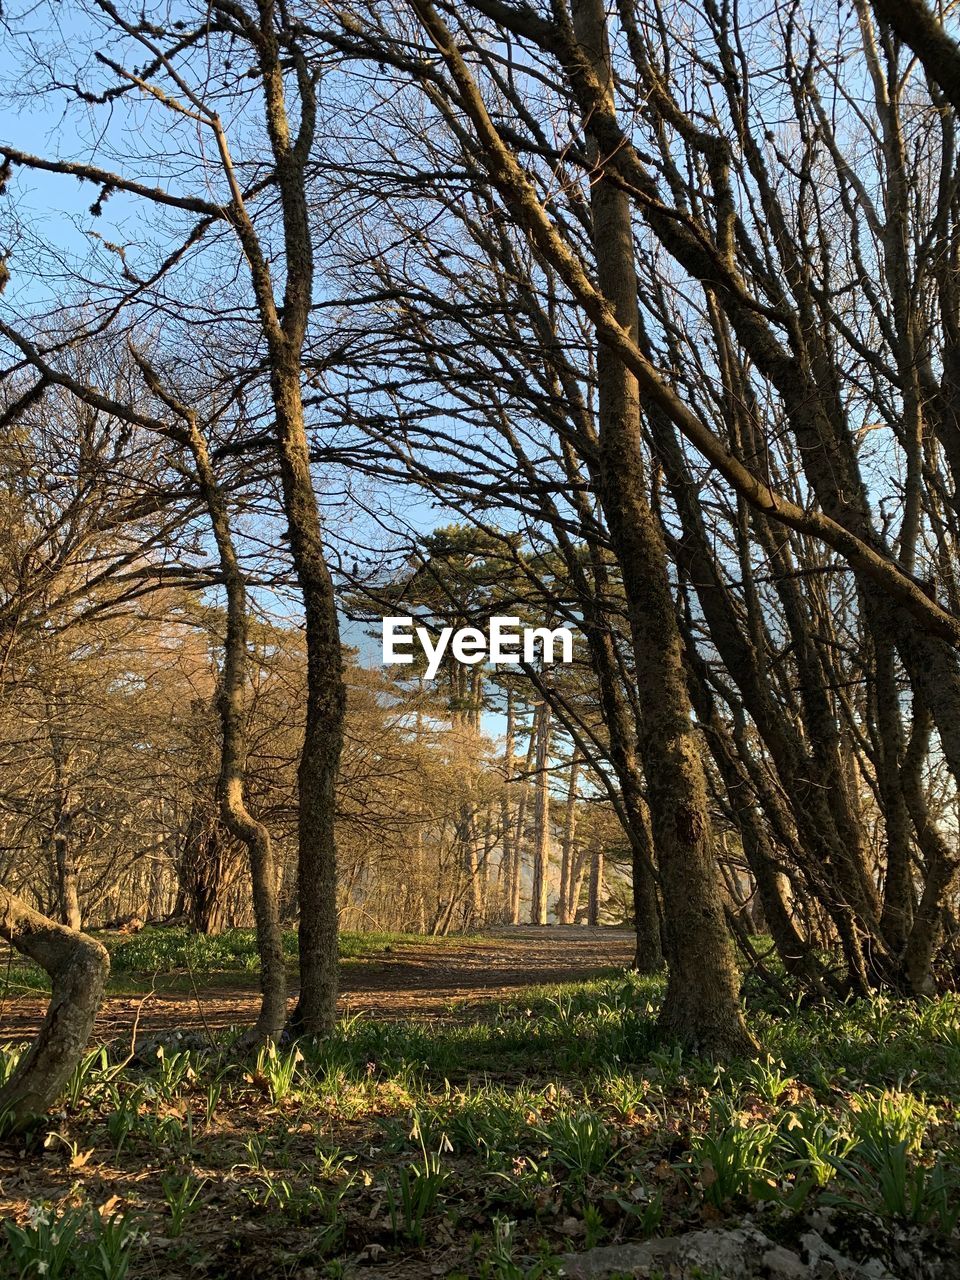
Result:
x=237 y=818
x=77 y=966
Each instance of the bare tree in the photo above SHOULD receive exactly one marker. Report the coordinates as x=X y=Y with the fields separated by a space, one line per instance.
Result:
x=174 y=83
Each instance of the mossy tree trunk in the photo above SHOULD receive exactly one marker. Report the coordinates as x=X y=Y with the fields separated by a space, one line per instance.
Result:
x=701 y=1007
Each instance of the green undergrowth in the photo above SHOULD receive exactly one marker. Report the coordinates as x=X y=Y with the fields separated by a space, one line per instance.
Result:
x=178 y=957
x=490 y=1145
x=177 y=950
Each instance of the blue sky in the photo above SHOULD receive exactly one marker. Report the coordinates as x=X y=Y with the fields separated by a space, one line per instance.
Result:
x=47 y=216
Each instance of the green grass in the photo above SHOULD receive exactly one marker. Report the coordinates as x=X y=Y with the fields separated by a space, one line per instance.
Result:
x=489 y=1145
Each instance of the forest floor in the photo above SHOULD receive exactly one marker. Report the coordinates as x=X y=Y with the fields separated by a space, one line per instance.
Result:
x=489 y=1108
x=390 y=977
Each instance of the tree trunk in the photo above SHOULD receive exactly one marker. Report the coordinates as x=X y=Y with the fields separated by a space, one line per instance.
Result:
x=465 y=724
x=77 y=966
x=66 y=866
x=516 y=869
x=701 y=1007
x=620 y=725
x=798 y=956
x=323 y=733
x=63 y=860
x=569 y=835
x=581 y=862
x=237 y=818
x=505 y=878
x=621 y=729
x=596 y=887
x=942 y=864
x=285 y=328
x=541 y=819
x=648 y=956
x=202 y=870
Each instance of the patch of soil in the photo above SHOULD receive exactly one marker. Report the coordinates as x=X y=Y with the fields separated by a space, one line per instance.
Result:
x=408 y=981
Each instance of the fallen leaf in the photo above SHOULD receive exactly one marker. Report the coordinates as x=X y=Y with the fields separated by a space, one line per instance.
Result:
x=106 y=1210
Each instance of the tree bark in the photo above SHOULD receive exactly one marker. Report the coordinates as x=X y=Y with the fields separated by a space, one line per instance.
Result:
x=516 y=870
x=541 y=819
x=581 y=862
x=66 y=865
x=648 y=956
x=285 y=331
x=236 y=816
x=701 y=1007
x=507 y=843
x=596 y=887
x=202 y=869
x=567 y=847
x=923 y=31
x=77 y=966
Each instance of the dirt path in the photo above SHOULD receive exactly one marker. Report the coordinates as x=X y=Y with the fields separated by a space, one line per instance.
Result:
x=409 y=980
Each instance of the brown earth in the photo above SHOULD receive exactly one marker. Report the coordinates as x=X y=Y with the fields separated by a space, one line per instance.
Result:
x=407 y=980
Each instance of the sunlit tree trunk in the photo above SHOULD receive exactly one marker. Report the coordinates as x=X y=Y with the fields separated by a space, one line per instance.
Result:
x=519 y=840
x=581 y=864
x=505 y=878
x=541 y=819
x=77 y=966
x=567 y=847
